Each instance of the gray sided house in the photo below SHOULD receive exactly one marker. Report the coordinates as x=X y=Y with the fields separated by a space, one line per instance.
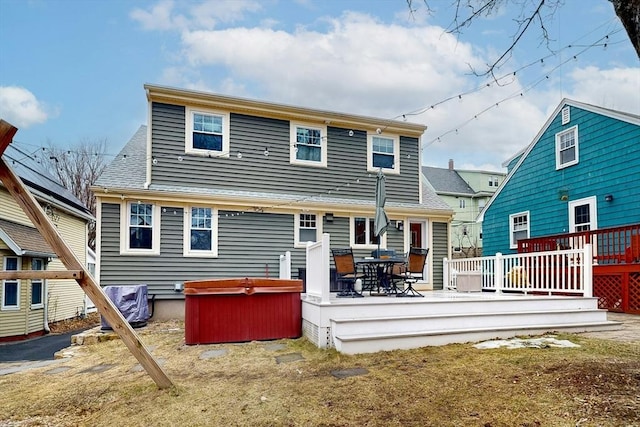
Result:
x=220 y=187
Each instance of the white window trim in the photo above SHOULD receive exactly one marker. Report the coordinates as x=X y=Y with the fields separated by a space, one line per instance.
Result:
x=396 y=153
x=187 y=251
x=352 y=228
x=296 y=229
x=188 y=147
x=593 y=212
x=43 y=282
x=512 y=244
x=18 y=281
x=124 y=231
x=293 y=143
x=573 y=129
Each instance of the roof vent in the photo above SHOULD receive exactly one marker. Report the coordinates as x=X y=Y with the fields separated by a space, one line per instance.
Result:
x=566 y=115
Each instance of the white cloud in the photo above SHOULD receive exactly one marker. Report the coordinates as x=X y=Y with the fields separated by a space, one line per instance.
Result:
x=164 y=16
x=20 y=107
x=355 y=63
x=616 y=88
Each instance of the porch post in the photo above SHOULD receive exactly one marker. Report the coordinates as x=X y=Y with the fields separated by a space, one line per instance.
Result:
x=587 y=276
x=498 y=277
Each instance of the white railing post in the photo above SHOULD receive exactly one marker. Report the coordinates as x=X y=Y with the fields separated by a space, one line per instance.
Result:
x=326 y=264
x=498 y=277
x=587 y=275
x=446 y=284
x=285 y=266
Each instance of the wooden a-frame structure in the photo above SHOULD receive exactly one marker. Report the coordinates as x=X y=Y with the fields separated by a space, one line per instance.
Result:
x=75 y=269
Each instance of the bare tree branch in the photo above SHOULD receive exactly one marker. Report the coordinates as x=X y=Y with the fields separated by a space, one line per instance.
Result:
x=77 y=169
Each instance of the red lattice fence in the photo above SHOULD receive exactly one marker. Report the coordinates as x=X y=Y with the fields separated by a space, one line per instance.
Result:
x=617 y=287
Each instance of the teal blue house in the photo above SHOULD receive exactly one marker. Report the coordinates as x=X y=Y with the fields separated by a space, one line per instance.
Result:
x=581 y=172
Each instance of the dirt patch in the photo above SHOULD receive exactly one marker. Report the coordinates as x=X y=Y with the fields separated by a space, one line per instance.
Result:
x=75 y=324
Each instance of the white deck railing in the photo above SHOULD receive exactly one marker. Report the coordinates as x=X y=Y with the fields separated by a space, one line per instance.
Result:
x=285 y=266
x=564 y=272
x=317 y=276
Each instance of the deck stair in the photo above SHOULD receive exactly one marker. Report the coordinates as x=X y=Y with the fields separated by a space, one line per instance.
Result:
x=445 y=318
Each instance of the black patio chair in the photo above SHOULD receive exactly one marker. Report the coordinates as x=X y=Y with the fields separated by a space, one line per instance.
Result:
x=415 y=267
x=346 y=272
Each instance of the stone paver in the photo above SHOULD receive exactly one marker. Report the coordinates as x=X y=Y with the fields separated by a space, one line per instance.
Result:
x=287 y=358
x=275 y=346
x=351 y=372
x=211 y=354
x=97 y=369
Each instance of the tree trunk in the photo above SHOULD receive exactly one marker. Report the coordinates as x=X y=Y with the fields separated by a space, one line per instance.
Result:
x=629 y=13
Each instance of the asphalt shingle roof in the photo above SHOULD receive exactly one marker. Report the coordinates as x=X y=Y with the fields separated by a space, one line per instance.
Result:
x=446 y=181
x=24 y=240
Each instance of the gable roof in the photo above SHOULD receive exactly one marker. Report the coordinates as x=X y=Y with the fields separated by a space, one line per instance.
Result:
x=24 y=240
x=607 y=112
x=127 y=172
x=42 y=184
x=447 y=181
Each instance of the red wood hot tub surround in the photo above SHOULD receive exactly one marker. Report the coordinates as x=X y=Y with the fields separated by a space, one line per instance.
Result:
x=243 y=309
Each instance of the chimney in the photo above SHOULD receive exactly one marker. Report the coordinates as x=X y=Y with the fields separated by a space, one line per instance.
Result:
x=450 y=164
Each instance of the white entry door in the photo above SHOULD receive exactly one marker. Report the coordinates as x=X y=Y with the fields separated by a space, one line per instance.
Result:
x=583 y=215
x=418 y=238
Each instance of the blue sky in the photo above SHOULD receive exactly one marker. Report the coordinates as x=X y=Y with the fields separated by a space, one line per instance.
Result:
x=74 y=70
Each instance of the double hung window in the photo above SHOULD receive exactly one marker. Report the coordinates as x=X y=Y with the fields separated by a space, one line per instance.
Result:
x=140 y=231
x=308 y=145
x=11 y=288
x=307 y=228
x=201 y=232
x=383 y=153
x=518 y=228
x=567 y=148
x=207 y=132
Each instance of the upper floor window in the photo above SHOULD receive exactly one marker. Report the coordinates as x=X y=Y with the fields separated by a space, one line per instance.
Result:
x=493 y=181
x=463 y=204
x=567 y=147
x=37 y=285
x=518 y=228
x=308 y=145
x=11 y=288
x=140 y=228
x=363 y=233
x=201 y=236
x=207 y=132
x=308 y=228
x=383 y=152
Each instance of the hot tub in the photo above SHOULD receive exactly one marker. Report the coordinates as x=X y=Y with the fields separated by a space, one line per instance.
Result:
x=239 y=310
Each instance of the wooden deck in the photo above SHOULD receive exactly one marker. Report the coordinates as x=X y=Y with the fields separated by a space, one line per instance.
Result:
x=370 y=324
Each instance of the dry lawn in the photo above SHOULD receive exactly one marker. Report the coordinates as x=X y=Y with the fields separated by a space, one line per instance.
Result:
x=597 y=384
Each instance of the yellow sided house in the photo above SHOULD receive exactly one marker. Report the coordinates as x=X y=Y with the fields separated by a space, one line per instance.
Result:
x=27 y=306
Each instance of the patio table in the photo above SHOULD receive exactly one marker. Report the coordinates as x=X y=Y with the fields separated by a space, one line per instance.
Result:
x=378 y=271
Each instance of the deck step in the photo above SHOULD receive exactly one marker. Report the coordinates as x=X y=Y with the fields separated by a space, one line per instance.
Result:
x=372 y=342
